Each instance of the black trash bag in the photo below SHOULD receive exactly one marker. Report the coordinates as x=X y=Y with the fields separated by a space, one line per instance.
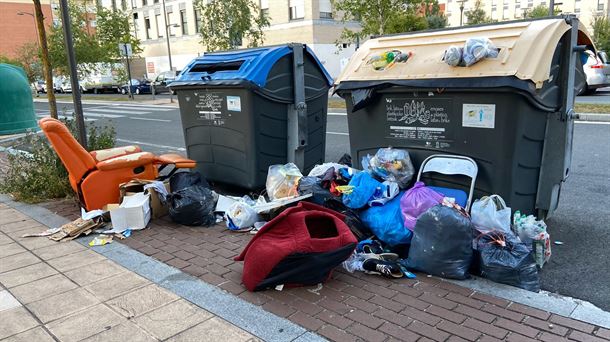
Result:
x=505 y=259
x=352 y=218
x=313 y=185
x=346 y=160
x=442 y=243
x=182 y=180
x=192 y=206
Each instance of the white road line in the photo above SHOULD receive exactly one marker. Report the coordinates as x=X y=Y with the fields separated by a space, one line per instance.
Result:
x=103 y=115
x=65 y=117
x=336 y=114
x=337 y=133
x=593 y=122
x=149 y=119
x=118 y=111
x=152 y=145
x=155 y=109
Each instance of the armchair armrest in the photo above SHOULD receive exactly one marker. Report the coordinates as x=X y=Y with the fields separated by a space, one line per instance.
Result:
x=101 y=155
x=127 y=161
x=177 y=160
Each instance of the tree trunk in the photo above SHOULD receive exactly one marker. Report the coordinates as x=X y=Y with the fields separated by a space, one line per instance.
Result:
x=46 y=65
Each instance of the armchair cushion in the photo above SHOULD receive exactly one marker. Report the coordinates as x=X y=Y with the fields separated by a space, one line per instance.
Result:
x=179 y=161
x=127 y=161
x=101 y=155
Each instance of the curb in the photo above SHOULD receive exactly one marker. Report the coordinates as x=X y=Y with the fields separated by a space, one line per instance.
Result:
x=235 y=310
x=270 y=327
x=594 y=117
x=117 y=103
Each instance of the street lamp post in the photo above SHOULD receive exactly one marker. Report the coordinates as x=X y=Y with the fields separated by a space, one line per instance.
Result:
x=169 y=50
x=461 y=10
x=35 y=25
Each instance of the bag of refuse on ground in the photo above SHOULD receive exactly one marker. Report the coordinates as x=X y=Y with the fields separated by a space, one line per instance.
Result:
x=476 y=49
x=283 y=181
x=386 y=223
x=241 y=215
x=416 y=201
x=352 y=218
x=442 y=243
x=505 y=259
x=181 y=180
x=364 y=187
x=534 y=235
x=490 y=213
x=313 y=186
x=192 y=206
x=390 y=164
x=384 y=193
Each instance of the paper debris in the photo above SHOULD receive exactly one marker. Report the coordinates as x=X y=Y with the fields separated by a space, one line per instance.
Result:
x=47 y=232
x=100 y=240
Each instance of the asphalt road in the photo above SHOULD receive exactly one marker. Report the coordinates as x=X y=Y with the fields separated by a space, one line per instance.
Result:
x=578 y=268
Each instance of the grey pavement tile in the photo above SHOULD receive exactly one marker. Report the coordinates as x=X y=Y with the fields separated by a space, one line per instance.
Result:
x=4 y=239
x=20 y=227
x=61 y=305
x=141 y=301
x=7 y=301
x=84 y=324
x=16 y=261
x=8 y=216
x=42 y=288
x=58 y=249
x=125 y=331
x=172 y=318
x=213 y=330
x=14 y=321
x=11 y=249
x=37 y=334
x=92 y=273
x=116 y=285
x=26 y=274
x=34 y=242
x=75 y=260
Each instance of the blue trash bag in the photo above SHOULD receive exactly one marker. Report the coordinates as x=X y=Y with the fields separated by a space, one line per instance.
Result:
x=364 y=188
x=386 y=222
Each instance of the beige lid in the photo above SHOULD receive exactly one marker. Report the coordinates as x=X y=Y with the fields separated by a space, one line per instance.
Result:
x=526 y=50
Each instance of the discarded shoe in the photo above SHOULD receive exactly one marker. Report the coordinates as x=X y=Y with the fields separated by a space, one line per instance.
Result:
x=388 y=269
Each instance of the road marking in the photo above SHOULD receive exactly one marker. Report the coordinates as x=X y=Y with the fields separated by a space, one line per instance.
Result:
x=118 y=111
x=149 y=119
x=103 y=115
x=593 y=122
x=64 y=117
x=152 y=145
x=336 y=114
x=155 y=109
x=337 y=133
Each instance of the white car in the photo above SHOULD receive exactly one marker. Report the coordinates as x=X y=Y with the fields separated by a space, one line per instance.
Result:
x=597 y=70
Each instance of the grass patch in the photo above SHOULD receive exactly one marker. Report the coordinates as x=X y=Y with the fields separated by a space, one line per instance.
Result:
x=334 y=102
x=592 y=108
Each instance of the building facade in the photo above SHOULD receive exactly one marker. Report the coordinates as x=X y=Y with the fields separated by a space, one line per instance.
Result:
x=18 y=25
x=502 y=10
x=304 y=21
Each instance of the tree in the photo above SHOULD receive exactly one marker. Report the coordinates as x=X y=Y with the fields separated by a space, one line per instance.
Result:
x=378 y=17
x=29 y=57
x=435 y=18
x=540 y=11
x=113 y=28
x=226 y=23
x=477 y=15
x=601 y=33
x=44 y=56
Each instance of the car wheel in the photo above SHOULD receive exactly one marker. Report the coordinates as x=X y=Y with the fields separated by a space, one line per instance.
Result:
x=123 y=91
x=95 y=91
x=137 y=91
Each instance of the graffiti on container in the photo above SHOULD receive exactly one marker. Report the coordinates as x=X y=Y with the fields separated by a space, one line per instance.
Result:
x=414 y=110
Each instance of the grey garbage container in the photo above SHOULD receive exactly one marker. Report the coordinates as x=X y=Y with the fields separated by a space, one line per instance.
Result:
x=512 y=114
x=245 y=110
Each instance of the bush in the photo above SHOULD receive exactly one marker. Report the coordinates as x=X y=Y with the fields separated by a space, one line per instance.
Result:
x=39 y=174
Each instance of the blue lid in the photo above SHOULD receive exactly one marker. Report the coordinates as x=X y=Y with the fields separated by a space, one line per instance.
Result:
x=249 y=64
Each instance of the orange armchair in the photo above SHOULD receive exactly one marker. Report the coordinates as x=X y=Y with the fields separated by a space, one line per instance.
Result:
x=95 y=176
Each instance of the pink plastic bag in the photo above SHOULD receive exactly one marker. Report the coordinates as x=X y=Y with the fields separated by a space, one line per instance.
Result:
x=416 y=201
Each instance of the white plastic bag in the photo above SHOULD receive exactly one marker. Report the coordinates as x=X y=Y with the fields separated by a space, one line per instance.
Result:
x=283 y=181
x=490 y=213
x=241 y=215
x=533 y=234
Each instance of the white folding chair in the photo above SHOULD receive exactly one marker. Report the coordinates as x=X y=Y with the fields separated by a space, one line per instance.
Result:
x=451 y=165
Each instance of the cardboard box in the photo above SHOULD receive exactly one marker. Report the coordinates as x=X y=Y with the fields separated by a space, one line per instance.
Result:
x=137 y=185
x=134 y=212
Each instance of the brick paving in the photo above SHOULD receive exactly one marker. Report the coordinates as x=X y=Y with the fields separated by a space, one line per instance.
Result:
x=352 y=307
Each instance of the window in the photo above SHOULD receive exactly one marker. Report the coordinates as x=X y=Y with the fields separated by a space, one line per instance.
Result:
x=542 y=3
x=144 y=2
x=114 y=5
x=265 y=12
x=183 y=22
x=297 y=9
x=156 y=1
x=147 y=27
x=124 y=5
x=600 y=5
x=136 y=28
x=158 y=21
x=168 y=20
x=197 y=19
x=92 y=23
x=326 y=10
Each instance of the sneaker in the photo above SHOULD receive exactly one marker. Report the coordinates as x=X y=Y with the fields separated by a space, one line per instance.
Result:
x=385 y=268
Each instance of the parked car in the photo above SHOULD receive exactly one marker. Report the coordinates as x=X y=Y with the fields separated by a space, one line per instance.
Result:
x=39 y=87
x=65 y=87
x=137 y=87
x=597 y=69
x=160 y=83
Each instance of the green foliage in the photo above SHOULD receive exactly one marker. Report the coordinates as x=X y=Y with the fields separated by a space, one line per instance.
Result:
x=114 y=27
x=225 y=24
x=378 y=17
x=29 y=56
x=477 y=15
x=540 y=11
x=601 y=33
x=7 y=60
x=39 y=175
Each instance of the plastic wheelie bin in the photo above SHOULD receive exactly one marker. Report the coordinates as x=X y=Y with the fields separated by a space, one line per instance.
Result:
x=245 y=110
x=16 y=104
x=513 y=114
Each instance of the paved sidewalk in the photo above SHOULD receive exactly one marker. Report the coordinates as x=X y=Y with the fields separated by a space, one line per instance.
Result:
x=353 y=307
x=63 y=291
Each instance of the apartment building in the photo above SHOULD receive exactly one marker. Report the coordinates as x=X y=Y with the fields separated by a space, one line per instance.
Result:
x=18 y=25
x=305 y=21
x=502 y=10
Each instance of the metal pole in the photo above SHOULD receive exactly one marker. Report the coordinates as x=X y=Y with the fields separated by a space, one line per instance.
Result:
x=128 y=70
x=551 y=8
x=169 y=50
x=78 y=106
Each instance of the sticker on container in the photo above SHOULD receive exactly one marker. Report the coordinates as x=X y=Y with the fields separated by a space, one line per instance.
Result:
x=234 y=103
x=479 y=115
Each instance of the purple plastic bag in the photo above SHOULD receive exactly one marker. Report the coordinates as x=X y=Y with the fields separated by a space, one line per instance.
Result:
x=416 y=201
